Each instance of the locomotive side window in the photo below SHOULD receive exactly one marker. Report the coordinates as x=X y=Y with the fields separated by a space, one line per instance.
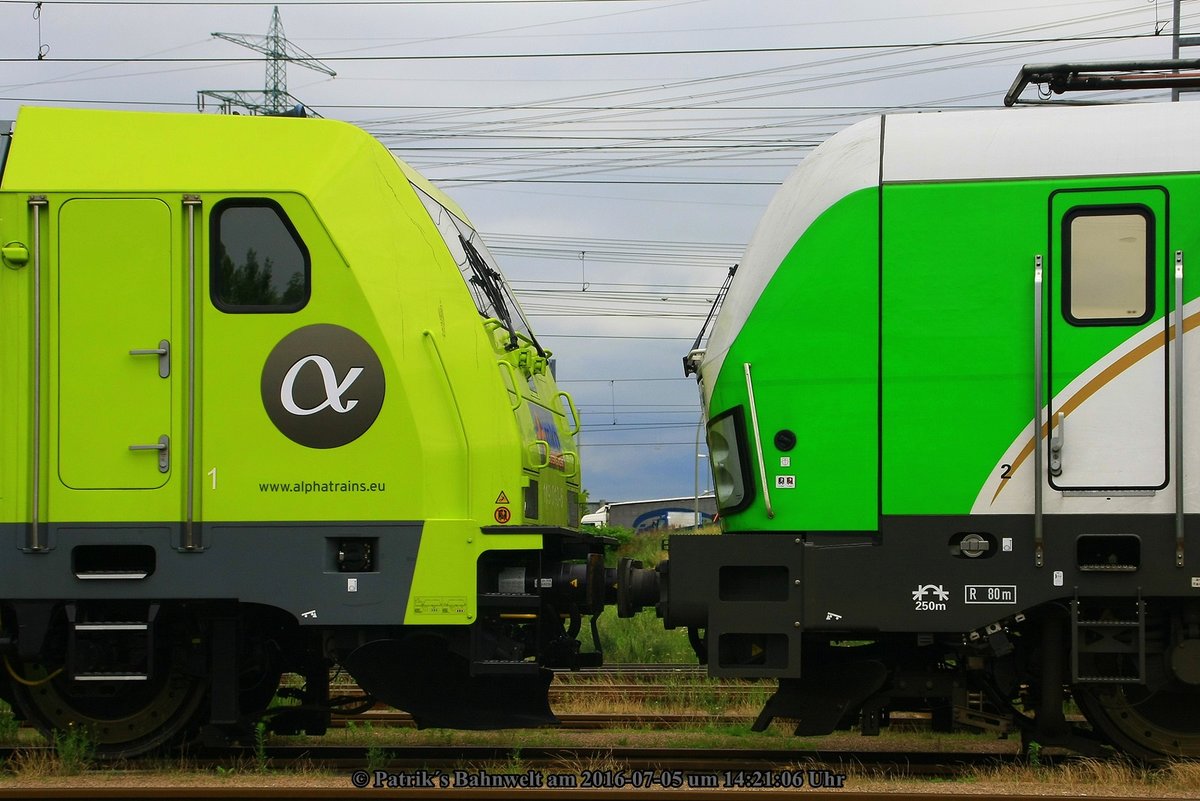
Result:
x=1108 y=265
x=259 y=262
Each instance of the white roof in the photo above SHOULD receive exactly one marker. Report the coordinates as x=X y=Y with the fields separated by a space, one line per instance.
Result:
x=1037 y=142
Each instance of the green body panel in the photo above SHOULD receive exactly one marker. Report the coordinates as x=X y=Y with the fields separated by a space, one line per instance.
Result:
x=956 y=309
x=957 y=336
x=815 y=328
x=447 y=443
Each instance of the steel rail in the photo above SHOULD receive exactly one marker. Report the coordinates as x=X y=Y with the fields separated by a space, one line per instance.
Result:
x=456 y=794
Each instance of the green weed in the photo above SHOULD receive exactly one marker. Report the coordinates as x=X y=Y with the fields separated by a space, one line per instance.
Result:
x=514 y=765
x=75 y=749
x=9 y=727
x=260 y=746
x=642 y=638
x=377 y=757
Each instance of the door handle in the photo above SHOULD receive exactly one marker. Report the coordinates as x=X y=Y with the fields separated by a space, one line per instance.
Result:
x=164 y=451
x=163 y=352
x=1056 y=443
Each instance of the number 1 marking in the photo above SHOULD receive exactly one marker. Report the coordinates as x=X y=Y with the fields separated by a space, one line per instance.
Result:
x=213 y=473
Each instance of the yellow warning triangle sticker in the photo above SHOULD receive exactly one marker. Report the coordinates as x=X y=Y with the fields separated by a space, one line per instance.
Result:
x=574 y=582
x=502 y=498
x=755 y=651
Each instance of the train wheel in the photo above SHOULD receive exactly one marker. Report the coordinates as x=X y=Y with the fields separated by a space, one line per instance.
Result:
x=1146 y=722
x=122 y=718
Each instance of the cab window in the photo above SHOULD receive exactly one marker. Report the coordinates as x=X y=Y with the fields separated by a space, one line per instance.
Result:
x=1108 y=258
x=259 y=263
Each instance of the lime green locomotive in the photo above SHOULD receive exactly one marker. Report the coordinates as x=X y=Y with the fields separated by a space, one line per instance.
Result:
x=270 y=408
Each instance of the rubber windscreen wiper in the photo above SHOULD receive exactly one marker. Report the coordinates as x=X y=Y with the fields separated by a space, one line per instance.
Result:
x=488 y=281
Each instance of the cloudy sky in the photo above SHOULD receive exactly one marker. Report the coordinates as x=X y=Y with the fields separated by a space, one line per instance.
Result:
x=616 y=154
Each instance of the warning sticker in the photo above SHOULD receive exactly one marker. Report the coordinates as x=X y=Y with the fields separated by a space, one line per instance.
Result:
x=440 y=605
x=502 y=515
x=502 y=498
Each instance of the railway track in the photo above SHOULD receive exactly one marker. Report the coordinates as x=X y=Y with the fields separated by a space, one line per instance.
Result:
x=455 y=794
x=662 y=697
x=605 y=764
x=575 y=721
x=618 y=771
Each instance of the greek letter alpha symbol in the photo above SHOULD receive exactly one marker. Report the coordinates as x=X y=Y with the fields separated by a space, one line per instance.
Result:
x=333 y=389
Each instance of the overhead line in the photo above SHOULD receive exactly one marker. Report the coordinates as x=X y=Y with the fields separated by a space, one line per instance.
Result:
x=306 y=2
x=598 y=54
x=484 y=181
x=630 y=444
x=617 y=380
x=530 y=107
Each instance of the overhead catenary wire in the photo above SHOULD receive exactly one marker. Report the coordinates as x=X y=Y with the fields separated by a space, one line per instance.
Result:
x=712 y=51
x=722 y=153
x=311 y=2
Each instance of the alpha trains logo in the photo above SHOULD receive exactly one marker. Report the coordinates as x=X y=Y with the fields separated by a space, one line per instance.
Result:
x=322 y=386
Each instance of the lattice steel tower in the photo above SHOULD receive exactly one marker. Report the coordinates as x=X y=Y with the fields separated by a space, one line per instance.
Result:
x=274 y=97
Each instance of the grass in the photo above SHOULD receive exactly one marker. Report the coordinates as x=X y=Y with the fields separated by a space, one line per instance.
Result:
x=1093 y=776
x=9 y=727
x=75 y=749
x=73 y=753
x=642 y=638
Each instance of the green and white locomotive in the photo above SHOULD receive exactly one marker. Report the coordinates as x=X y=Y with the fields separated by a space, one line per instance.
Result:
x=955 y=435
x=269 y=407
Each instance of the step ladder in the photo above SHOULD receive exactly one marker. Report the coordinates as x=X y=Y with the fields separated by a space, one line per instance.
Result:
x=101 y=650
x=1108 y=640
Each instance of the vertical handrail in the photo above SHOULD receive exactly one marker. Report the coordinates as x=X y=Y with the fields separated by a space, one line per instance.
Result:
x=762 y=465
x=437 y=352
x=1179 y=522
x=575 y=424
x=33 y=539
x=1038 y=536
x=516 y=387
x=191 y=202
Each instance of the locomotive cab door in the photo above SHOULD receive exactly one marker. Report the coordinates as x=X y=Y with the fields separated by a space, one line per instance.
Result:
x=1106 y=337
x=114 y=351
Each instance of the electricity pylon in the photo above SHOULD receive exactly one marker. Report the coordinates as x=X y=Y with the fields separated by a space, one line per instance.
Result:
x=274 y=99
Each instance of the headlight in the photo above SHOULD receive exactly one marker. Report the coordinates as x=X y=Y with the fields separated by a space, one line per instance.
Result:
x=730 y=461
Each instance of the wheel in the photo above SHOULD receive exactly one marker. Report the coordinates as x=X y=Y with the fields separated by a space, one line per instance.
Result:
x=119 y=717
x=1160 y=718
x=122 y=718
x=1146 y=722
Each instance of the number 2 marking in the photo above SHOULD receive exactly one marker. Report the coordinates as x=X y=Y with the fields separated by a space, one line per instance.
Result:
x=1005 y=473
x=213 y=473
